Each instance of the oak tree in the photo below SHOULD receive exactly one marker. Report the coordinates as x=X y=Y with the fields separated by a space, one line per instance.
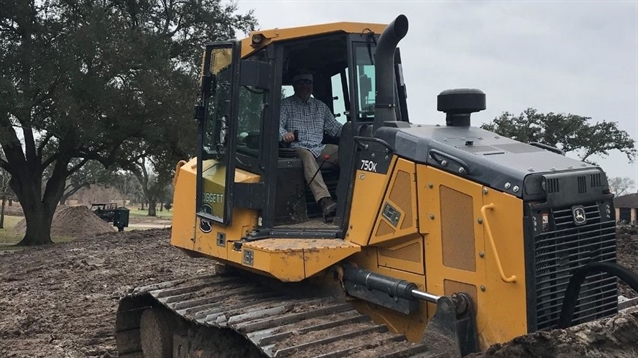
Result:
x=568 y=132
x=87 y=80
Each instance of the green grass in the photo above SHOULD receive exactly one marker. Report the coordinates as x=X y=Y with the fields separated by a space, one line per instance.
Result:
x=160 y=214
x=9 y=237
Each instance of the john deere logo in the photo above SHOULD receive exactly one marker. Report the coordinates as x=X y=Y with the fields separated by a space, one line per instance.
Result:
x=206 y=225
x=579 y=215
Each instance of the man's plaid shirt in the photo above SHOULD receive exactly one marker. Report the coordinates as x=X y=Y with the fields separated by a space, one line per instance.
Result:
x=311 y=119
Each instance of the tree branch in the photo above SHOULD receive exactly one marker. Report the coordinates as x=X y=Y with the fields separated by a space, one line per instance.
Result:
x=5 y=165
x=12 y=147
x=44 y=142
x=50 y=160
x=29 y=142
x=76 y=167
x=55 y=185
x=75 y=190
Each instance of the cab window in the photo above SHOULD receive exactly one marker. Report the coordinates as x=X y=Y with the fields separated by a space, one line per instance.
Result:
x=365 y=80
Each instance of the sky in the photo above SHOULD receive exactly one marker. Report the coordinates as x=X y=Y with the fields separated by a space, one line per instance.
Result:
x=578 y=57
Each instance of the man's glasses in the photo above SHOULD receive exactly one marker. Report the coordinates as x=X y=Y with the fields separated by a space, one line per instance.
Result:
x=303 y=82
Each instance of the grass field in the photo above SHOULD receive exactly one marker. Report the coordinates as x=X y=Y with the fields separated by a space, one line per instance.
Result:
x=9 y=237
x=160 y=214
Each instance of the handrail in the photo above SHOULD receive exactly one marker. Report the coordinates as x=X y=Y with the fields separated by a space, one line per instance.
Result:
x=491 y=240
x=359 y=139
x=177 y=167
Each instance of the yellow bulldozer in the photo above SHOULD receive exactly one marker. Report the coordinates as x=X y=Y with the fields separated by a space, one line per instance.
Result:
x=446 y=239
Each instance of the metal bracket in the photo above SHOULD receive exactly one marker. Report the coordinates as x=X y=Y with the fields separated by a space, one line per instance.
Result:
x=221 y=239
x=381 y=298
x=452 y=330
x=249 y=257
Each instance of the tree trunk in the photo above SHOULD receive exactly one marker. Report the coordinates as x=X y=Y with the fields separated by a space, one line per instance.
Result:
x=38 y=207
x=39 y=218
x=161 y=205
x=10 y=202
x=4 y=200
x=152 y=208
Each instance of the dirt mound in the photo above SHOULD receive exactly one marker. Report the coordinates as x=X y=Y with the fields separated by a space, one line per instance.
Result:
x=74 y=221
x=627 y=252
x=13 y=210
x=612 y=337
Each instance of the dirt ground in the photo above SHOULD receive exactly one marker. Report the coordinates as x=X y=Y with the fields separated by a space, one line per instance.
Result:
x=60 y=301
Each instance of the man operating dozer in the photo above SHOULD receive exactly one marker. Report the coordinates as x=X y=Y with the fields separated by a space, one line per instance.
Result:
x=310 y=118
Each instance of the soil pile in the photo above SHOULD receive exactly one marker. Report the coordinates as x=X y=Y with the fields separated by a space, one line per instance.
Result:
x=74 y=221
x=13 y=210
x=627 y=252
x=612 y=337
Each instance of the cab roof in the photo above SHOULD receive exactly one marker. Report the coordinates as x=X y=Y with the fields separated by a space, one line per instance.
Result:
x=291 y=33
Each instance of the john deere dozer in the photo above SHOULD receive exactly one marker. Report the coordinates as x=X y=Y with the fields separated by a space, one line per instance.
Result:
x=447 y=238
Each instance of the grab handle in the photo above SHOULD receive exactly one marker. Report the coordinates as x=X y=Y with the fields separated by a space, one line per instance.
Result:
x=493 y=245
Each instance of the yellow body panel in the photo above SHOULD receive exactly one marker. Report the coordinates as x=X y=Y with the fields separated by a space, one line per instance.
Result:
x=285 y=259
x=275 y=35
x=185 y=233
x=500 y=306
x=504 y=299
x=292 y=260
x=184 y=218
x=405 y=253
x=369 y=189
x=401 y=197
x=393 y=250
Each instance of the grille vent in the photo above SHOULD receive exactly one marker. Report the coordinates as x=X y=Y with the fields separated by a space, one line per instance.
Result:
x=552 y=186
x=596 y=181
x=582 y=184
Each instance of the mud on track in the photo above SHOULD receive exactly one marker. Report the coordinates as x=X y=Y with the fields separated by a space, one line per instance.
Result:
x=60 y=301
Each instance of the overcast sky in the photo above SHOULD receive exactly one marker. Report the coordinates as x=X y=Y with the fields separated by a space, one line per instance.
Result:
x=578 y=57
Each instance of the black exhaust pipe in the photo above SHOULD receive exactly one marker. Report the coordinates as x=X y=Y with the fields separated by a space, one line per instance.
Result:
x=384 y=109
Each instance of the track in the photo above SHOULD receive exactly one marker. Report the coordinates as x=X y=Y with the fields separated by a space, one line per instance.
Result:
x=278 y=325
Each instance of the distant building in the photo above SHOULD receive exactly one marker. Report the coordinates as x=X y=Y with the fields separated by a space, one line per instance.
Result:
x=627 y=208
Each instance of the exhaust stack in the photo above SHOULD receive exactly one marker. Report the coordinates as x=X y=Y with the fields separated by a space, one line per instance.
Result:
x=384 y=71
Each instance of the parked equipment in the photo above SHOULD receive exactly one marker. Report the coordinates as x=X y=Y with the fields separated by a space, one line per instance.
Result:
x=111 y=213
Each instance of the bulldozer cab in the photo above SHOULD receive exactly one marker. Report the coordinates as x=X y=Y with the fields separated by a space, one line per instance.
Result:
x=241 y=162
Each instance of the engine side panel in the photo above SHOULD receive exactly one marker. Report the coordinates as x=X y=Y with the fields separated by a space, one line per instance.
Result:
x=459 y=255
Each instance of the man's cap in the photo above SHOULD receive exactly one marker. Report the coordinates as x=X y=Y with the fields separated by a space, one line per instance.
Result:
x=303 y=76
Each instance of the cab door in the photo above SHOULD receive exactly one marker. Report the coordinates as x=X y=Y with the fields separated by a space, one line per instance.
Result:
x=217 y=122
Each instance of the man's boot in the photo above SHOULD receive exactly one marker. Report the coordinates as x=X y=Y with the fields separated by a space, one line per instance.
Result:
x=328 y=206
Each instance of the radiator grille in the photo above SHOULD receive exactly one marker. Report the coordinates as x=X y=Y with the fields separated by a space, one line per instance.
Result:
x=558 y=252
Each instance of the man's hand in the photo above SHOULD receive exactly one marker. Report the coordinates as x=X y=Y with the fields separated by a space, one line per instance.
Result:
x=288 y=137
